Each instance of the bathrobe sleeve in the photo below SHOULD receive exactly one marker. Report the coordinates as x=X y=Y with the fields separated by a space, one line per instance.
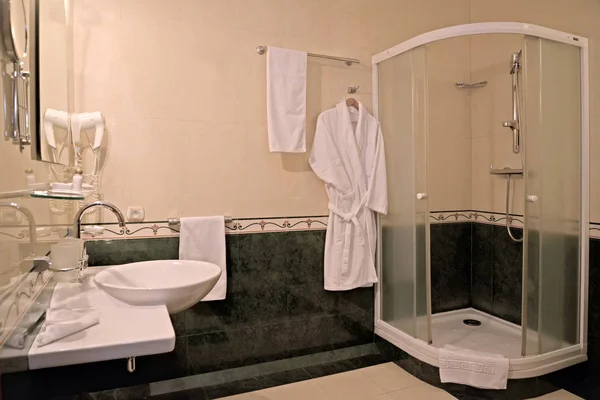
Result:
x=377 y=177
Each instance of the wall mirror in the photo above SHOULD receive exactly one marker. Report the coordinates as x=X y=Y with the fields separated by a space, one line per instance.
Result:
x=15 y=74
x=35 y=40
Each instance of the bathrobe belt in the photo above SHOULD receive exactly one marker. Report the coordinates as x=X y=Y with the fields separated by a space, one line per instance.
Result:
x=348 y=217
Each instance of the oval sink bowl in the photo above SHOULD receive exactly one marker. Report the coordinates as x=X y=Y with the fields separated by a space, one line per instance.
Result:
x=176 y=284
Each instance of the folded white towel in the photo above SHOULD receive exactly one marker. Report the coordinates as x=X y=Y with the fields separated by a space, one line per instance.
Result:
x=203 y=239
x=473 y=368
x=62 y=322
x=79 y=301
x=286 y=100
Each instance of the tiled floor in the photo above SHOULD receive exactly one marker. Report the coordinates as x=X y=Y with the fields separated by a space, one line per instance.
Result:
x=380 y=382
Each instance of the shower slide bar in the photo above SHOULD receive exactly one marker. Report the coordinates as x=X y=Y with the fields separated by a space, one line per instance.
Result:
x=462 y=85
x=348 y=61
x=505 y=171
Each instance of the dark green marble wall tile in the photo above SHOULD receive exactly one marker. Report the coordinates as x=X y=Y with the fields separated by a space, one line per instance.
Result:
x=482 y=263
x=507 y=275
x=123 y=251
x=594 y=300
x=276 y=307
x=351 y=329
x=61 y=382
x=278 y=277
x=450 y=266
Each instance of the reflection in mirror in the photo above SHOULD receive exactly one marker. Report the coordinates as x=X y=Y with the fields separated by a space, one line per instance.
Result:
x=52 y=68
x=19 y=30
x=14 y=30
x=15 y=75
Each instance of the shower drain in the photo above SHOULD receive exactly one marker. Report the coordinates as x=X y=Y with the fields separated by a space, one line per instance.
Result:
x=471 y=322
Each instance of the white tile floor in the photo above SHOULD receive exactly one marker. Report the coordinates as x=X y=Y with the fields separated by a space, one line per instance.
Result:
x=380 y=382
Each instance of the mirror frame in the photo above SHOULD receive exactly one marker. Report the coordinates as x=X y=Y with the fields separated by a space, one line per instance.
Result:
x=8 y=44
x=34 y=82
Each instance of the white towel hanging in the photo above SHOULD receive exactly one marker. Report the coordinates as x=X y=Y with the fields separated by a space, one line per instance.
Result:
x=286 y=100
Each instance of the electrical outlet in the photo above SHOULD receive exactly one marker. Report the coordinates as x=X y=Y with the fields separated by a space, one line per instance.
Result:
x=135 y=214
x=10 y=217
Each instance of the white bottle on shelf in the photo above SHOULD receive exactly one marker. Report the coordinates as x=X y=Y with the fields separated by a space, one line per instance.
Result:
x=30 y=178
x=78 y=180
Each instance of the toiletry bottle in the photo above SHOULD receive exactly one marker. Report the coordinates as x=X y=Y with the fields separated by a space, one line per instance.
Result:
x=30 y=177
x=78 y=180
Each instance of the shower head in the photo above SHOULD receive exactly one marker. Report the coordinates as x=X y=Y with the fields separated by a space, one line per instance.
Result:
x=515 y=62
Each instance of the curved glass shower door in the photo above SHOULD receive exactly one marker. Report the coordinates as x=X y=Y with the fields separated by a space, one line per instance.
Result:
x=405 y=266
x=553 y=181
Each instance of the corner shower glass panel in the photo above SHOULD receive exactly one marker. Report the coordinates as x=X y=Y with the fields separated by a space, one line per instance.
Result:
x=405 y=230
x=553 y=179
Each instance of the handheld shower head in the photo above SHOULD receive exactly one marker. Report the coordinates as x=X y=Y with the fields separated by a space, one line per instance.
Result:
x=515 y=62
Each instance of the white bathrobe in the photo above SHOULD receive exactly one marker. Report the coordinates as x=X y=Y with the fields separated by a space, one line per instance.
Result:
x=348 y=155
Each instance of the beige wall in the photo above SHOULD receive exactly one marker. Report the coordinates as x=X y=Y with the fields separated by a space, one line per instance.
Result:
x=184 y=93
x=575 y=16
x=449 y=110
x=490 y=106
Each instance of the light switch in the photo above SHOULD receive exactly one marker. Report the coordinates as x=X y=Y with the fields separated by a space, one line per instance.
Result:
x=135 y=214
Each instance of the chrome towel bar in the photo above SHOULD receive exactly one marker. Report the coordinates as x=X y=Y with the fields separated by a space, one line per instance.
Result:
x=175 y=221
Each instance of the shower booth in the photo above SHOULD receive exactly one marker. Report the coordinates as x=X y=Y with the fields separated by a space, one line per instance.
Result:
x=547 y=139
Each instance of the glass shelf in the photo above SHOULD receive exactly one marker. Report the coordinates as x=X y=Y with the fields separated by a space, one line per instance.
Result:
x=42 y=194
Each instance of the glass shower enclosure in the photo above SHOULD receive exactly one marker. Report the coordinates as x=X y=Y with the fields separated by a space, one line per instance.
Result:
x=554 y=108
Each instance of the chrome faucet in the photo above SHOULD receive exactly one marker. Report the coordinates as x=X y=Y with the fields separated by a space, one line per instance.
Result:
x=82 y=210
x=30 y=220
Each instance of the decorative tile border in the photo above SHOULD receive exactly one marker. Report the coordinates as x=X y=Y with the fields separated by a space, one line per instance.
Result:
x=49 y=233
x=279 y=224
x=441 y=217
x=260 y=225
x=517 y=221
x=242 y=225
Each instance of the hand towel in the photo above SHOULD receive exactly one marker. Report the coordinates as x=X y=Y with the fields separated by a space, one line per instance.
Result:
x=79 y=301
x=203 y=239
x=286 y=100
x=62 y=322
x=473 y=368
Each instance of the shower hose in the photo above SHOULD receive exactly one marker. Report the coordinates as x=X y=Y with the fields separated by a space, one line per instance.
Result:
x=518 y=240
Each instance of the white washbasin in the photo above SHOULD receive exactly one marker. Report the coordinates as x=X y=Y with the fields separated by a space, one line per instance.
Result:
x=176 y=284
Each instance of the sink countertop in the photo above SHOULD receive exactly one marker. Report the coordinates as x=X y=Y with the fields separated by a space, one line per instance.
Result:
x=124 y=331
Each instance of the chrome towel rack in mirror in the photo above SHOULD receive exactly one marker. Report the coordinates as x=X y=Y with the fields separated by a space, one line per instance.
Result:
x=173 y=222
x=348 y=61
x=505 y=171
x=463 y=85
